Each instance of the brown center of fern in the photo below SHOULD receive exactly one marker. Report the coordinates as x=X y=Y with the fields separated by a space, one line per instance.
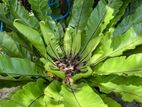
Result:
x=69 y=65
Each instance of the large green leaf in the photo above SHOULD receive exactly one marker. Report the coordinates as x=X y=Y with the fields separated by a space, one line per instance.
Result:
x=9 y=45
x=128 y=92
x=80 y=13
x=52 y=97
x=128 y=21
x=41 y=8
x=84 y=96
x=17 y=66
x=50 y=40
x=100 y=18
x=121 y=65
x=32 y=35
x=31 y=95
x=19 y=12
x=111 y=47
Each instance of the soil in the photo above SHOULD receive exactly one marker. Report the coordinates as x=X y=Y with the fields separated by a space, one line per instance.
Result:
x=5 y=92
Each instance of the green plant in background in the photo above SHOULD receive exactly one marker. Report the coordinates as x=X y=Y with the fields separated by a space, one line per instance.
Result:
x=77 y=66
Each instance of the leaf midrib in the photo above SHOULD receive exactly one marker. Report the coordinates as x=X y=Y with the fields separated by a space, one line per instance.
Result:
x=75 y=97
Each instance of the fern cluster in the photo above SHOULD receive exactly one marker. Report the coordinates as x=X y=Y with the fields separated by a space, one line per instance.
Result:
x=76 y=62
